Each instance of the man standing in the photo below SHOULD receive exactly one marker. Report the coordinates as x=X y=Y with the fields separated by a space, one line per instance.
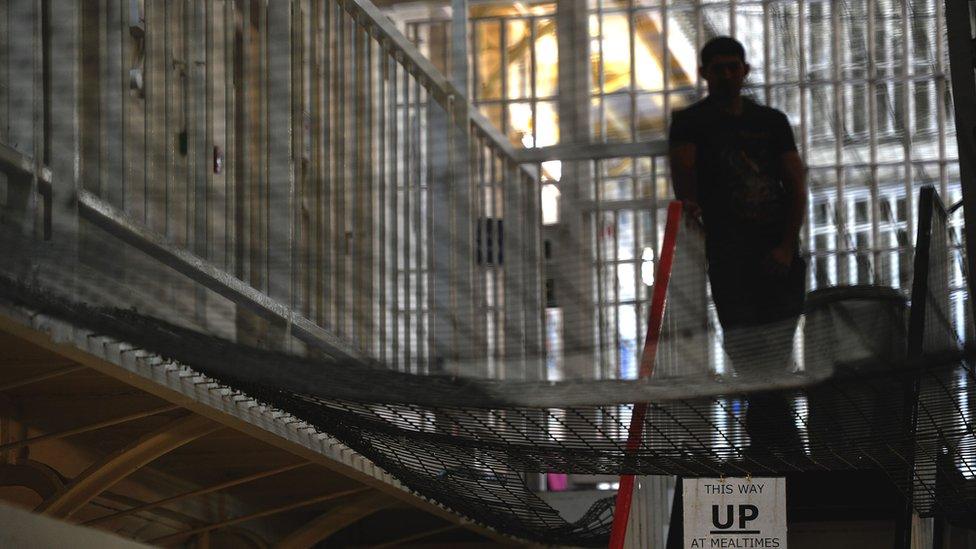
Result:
x=735 y=164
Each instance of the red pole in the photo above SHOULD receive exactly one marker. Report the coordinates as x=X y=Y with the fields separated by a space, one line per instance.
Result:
x=655 y=320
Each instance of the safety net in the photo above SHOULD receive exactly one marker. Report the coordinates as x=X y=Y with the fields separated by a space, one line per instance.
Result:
x=294 y=201
x=859 y=397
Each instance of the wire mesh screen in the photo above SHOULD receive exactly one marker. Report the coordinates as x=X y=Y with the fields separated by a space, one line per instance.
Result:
x=290 y=198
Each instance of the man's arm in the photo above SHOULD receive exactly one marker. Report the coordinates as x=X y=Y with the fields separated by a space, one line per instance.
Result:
x=794 y=177
x=683 y=176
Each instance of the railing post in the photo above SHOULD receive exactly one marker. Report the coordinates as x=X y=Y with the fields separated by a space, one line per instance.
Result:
x=21 y=107
x=197 y=141
x=281 y=180
x=513 y=269
x=441 y=265
x=459 y=47
x=62 y=154
x=960 y=16
x=573 y=279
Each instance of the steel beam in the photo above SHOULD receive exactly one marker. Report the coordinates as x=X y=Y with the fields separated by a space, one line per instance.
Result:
x=40 y=377
x=87 y=428
x=198 y=492
x=108 y=471
x=334 y=520
x=165 y=540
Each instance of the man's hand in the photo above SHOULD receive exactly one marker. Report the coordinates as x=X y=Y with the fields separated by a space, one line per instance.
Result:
x=692 y=208
x=780 y=260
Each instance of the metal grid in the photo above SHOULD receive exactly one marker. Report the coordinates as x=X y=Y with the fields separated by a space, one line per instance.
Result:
x=865 y=85
x=304 y=148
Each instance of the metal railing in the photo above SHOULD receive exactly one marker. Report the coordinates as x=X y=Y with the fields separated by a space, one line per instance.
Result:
x=300 y=159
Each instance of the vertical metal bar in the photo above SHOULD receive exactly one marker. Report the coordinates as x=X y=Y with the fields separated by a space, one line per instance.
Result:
x=482 y=214
x=872 y=78
x=665 y=69
x=906 y=117
x=459 y=47
x=355 y=188
x=369 y=154
x=615 y=280
x=473 y=93
x=537 y=312
x=511 y=271
x=940 y=93
x=245 y=145
x=636 y=257
x=303 y=209
x=532 y=22
x=208 y=213
x=383 y=67
x=961 y=62
x=168 y=94
x=150 y=124
x=601 y=74
x=63 y=124
x=500 y=328
x=418 y=226
x=327 y=169
x=263 y=202
x=804 y=126
x=439 y=245
x=194 y=109
x=339 y=202
x=732 y=14
x=20 y=106
x=699 y=32
x=503 y=67
x=537 y=345
x=838 y=115
x=436 y=183
x=407 y=183
x=188 y=125
x=394 y=210
x=230 y=137
x=599 y=220
x=113 y=103
x=632 y=66
x=652 y=238
x=41 y=214
x=316 y=175
x=280 y=178
x=767 y=91
x=215 y=218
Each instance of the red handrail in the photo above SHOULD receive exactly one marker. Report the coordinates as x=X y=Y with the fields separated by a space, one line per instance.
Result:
x=655 y=320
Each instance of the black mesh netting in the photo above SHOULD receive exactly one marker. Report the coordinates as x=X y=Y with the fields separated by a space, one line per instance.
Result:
x=471 y=457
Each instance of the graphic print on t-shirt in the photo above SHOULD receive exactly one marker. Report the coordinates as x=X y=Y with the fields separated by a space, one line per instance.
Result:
x=752 y=184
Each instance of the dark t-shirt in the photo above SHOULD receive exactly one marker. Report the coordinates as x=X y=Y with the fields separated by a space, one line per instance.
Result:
x=740 y=186
x=745 y=207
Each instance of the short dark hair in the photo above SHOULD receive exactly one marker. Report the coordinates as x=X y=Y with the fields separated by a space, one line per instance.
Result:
x=721 y=45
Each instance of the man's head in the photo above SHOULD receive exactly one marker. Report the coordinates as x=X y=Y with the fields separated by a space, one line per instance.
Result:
x=723 y=66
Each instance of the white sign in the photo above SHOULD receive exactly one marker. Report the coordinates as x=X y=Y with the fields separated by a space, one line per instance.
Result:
x=735 y=513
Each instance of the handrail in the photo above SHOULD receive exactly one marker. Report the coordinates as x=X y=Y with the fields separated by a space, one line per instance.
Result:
x=593 y=151
x=13 y=159
x=443 y=91
x=118 y=224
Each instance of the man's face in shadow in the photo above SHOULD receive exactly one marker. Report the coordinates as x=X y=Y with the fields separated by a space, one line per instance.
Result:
x=725 y=75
